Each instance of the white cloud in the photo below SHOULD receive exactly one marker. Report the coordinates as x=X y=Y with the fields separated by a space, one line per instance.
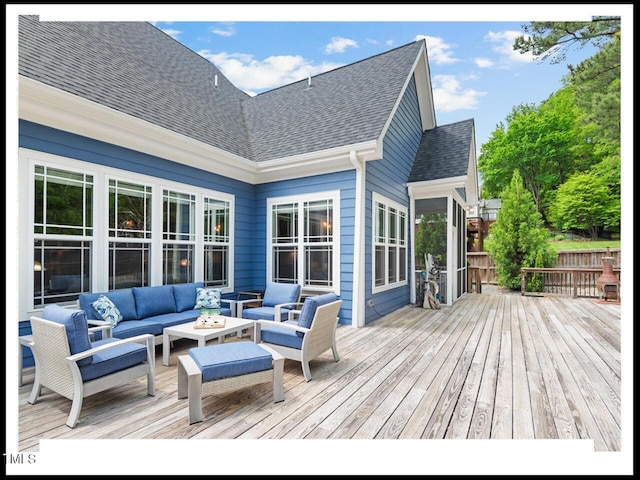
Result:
x=503 y=42
x=483 y=62
x=252 y=75
x=228 y=31
x=439 y=52
x=339 y=45
x=449 y=96
x=171 y=32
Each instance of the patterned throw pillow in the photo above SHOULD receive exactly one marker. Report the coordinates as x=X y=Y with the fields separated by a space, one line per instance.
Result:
x=207 y=298
x=107 y=310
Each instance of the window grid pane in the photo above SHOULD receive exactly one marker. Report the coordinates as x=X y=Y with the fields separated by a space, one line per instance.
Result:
x=179 y=216
x=63 y=202
x=128 y=265
x=285 y=264
x=62 y=270
x=216 y=266
x=129 y=210
x=177 y=261
x=318 y=266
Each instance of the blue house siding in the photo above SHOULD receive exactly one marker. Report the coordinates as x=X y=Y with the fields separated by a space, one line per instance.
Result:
x=388 y=177
x=343 y=181
x=52 y=141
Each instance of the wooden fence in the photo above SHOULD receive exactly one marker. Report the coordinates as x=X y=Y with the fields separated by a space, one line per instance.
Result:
x=574 y=273
x=566 y=259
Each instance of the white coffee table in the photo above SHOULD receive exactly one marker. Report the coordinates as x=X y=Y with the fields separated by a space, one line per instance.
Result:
x=203 y=335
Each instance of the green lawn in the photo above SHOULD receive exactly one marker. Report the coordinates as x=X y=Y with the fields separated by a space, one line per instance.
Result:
x=583 y=245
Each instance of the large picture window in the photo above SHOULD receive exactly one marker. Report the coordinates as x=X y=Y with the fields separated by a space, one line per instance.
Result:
x=130 y=234
x=304 y=241
x=97 y=228
x=62 y=234
x=389 y=244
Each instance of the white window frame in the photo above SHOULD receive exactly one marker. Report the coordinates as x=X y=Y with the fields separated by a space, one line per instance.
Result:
x=300 y=200
x=401 y=243
x=100 y=249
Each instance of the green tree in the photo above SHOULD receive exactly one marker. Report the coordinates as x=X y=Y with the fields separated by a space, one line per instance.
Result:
x=517 y=237
x=596 y=80
x=552 y=40
x=584 y=203
x=546 y=144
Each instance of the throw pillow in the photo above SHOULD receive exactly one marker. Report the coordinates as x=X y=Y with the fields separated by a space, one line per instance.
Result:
x=107 y=310
x=207 y=298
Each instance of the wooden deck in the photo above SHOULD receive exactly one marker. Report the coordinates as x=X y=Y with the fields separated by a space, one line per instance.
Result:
x=493 y=366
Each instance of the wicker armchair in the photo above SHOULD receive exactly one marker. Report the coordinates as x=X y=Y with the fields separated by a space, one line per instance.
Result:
x=68 y=363
x=312 y=334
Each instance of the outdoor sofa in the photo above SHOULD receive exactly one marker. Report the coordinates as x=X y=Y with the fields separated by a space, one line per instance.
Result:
x=140 y=310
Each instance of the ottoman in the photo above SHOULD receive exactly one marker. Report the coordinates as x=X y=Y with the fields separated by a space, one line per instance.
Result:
x=218 y=369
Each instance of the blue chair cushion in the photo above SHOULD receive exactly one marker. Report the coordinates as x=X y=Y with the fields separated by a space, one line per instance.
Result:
x=264 y=313
x=280 y=335
x=123 y=299
x=310 y=306
x=151 y=301
x=230 y=360
x=75 y=323
x=185 y=295
x=277 y=293
x=113 y=359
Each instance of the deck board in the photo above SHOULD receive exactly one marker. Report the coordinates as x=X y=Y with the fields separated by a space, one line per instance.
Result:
x=493 y=366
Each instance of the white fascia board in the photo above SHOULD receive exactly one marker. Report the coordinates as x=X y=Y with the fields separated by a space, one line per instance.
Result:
x=46 y=105
x=52 y=107
x=435 y=188
x=316 y=163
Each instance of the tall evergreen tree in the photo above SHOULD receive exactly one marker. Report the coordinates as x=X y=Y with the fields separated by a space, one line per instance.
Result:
x=517 y=238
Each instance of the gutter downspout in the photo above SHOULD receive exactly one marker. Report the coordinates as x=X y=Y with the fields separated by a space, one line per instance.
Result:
x=357 y=312
x=412 y=243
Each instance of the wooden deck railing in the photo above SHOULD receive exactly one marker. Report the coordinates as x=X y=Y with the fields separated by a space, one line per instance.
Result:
x=576 y=282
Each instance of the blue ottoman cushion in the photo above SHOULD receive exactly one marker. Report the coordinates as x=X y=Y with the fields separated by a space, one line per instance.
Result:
x=230 y=360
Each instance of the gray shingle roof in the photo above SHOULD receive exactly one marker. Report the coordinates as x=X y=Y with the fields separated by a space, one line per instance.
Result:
x=443 y=152
x=343 y=106
x=135 y=68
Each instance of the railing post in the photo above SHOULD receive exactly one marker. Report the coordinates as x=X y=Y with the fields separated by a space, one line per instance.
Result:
x=574 y=276
x=522 y=282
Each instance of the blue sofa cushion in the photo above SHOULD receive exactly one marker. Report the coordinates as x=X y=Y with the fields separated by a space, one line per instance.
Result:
x=107 y=310
x=280 y=335
x=277 y=293
x=113 y=359
x=171 y=319
x=132 y=328
x=265 y=313
x=207 y=298
x=151 y=301
x=185 y=295
x=310 y=306
x=75 y=323
x=230 y=360
x=123 y=299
